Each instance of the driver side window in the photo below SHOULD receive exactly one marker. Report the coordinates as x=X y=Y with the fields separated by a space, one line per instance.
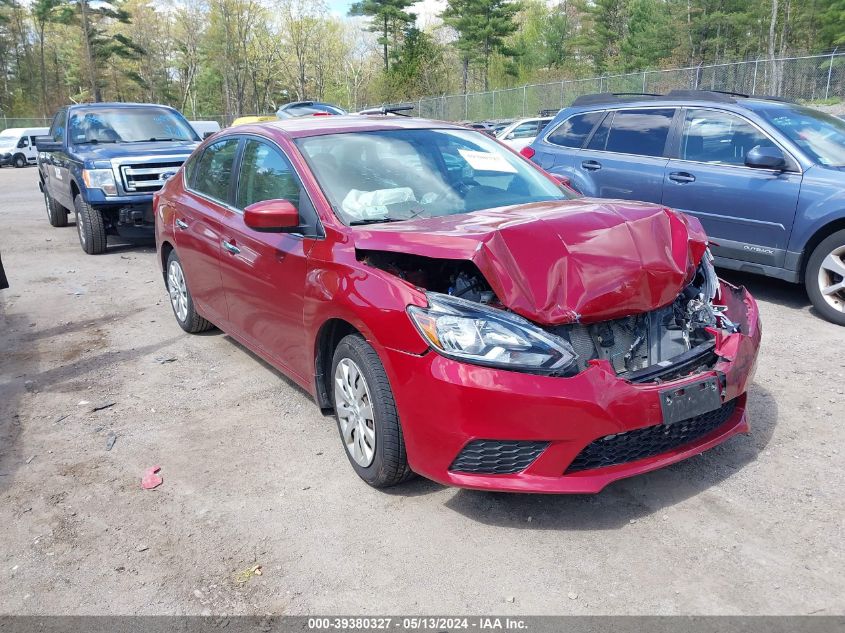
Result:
x=266 y=174
x=719 y=137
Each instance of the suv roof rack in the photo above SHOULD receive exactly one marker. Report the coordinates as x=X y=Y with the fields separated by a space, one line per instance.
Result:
x=722 y=96
x=613 y=97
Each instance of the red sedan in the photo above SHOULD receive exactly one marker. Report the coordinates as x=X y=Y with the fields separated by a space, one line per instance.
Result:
x=465 y=316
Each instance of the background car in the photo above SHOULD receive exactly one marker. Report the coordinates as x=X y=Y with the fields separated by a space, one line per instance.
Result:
x=17 y=145
x=466 y=318
x=765 y=177
x=308 y=108
x=104 y=162
x=245 y=120
x=522 y=133
x=204 y=129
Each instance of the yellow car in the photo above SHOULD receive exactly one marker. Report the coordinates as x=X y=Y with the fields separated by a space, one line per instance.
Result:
x=243 y=120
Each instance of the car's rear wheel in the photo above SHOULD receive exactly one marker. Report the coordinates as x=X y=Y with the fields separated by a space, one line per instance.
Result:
x=366 y=414
x=180 y=298
x=90 y=227
x=19 y=161
x=825 y=278
x=56 y=213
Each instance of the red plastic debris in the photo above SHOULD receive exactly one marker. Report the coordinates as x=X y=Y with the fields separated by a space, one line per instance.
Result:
x=150 y=479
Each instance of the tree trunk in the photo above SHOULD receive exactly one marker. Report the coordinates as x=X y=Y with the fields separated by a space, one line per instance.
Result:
x=45 y=107
x=86 y=36
x=770 y=49
x=465 y=72
x=384 y=45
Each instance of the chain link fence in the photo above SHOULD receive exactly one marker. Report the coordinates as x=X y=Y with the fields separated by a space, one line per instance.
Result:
x=810 y=78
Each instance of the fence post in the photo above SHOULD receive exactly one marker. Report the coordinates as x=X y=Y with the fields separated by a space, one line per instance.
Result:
x=829 y=73
x=697 y=75
x=754 y=85
x=644 y=73
x=524 y=97
x=493 y=115
x=466 y=107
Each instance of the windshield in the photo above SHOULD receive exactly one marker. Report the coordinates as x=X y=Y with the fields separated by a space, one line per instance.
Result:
x=820 y=135
x=129 y=125
x=387 y=176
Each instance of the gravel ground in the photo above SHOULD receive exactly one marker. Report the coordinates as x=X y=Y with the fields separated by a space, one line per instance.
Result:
x=255 y=475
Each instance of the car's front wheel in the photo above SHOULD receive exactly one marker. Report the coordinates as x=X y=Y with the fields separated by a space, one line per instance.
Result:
x=19 y=161
x=825 y=278
x=366 y=414
x=55 y=212
x=90 y=227
x=180 y=298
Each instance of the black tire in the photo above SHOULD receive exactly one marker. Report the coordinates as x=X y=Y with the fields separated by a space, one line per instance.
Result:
x=56 y=213
x=389 y=463
x=19 y=161
x=832 y=243
x=191 y=321
x=90 y=227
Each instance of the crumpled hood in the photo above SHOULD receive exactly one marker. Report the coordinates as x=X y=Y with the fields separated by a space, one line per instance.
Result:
x=561 y=261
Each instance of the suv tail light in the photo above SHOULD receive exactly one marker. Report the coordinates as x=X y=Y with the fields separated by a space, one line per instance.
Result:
x=527 y=152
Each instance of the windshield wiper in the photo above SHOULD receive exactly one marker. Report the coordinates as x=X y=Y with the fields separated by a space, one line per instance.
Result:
x=157 y=138
x=376 y=221
x=94 y=141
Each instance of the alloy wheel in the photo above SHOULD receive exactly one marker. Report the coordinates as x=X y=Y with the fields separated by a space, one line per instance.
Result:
x=355 y=412
x=832 y=278
x=178 y=291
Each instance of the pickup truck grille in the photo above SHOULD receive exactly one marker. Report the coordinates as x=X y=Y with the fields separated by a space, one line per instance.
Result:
x=146 y=177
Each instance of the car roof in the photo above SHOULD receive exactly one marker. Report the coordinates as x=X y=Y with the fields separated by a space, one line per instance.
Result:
x=318 y=125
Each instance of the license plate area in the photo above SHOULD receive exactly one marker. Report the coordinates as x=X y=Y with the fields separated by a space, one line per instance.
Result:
x=696 y=398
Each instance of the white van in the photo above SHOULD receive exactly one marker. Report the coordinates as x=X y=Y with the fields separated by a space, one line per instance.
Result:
x=205 y=128
x=17 y=145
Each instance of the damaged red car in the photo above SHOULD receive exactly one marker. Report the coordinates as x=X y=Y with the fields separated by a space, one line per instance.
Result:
x=464 y=316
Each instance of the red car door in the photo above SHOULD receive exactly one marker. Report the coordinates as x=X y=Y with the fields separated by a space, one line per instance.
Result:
x=264 y=273
x=198 y=226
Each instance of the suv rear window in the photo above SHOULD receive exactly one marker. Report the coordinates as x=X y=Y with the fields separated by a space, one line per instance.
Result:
x=642 y=132
x=574 y=131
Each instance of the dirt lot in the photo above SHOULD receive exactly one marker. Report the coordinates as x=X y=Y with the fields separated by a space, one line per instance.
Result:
x=254 y=475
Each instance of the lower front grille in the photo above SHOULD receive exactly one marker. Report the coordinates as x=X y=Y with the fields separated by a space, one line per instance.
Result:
x=497 y=457
x=630 y=446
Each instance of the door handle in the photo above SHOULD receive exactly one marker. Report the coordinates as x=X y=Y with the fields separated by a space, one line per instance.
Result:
x=231 y=247
x=180 y=224
x=591 y=165
x=681 y=177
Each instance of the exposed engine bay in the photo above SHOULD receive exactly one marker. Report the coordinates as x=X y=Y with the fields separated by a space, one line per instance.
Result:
x=674 y=334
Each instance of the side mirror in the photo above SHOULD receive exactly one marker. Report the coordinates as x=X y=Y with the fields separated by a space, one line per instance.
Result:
x=272 y=216
x=207 y=134
x=765 y=158
x=47 y=144
x=564 y=182
x=510 y=137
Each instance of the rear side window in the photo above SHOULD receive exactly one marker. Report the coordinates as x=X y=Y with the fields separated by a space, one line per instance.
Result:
x=575 y=130
x=214 y=169
x=641 y=132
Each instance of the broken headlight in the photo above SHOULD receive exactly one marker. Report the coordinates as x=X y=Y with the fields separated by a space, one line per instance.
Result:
x=474 y=333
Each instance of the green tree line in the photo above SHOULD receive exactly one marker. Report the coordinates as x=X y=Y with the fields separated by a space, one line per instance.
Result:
x=235 y=57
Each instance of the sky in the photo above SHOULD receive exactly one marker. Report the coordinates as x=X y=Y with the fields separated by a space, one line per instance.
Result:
x=426 y=10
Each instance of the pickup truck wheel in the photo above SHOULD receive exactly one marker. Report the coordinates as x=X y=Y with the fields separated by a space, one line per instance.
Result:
x=90 y=227
x=366 y=414
x=19 y=161
x=825 y=278
x=56 y=213
x=181 y=300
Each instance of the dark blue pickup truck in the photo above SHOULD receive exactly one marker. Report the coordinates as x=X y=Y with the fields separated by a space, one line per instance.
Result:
x=104 y=161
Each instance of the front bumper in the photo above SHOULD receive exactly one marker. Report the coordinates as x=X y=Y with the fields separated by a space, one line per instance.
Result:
x=444 y=405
